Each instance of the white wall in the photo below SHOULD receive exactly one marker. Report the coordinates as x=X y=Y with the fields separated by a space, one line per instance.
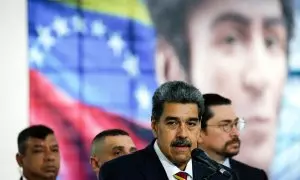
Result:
x=13 y=82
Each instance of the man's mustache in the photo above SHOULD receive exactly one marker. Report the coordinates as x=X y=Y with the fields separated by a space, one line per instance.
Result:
x=181 y=143
x=233 y=141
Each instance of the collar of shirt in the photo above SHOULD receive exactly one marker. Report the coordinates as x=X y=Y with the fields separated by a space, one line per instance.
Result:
x=226 y=163
x=24 y=178
x=169 y=167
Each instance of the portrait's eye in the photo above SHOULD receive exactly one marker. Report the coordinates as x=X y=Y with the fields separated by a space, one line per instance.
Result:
x=230 y=39
x=272 y=41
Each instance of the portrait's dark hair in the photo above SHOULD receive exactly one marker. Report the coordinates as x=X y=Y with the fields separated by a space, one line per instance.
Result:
x=35 y=131
x=175 y=92
x=102 y=135
x=212 y=100
x=170 y=19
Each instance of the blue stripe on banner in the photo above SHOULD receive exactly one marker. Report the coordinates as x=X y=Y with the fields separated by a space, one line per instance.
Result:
x=80 y=52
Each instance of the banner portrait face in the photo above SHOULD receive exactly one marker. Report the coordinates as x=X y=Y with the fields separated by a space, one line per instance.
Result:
x=230 y=49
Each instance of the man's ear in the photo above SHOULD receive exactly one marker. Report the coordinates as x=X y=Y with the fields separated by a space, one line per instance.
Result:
x=200 y=137
x=167 y=64
x=19 y=159
x=154 y=127
x=95 y=163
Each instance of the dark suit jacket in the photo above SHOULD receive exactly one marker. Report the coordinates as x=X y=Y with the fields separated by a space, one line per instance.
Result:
x=246 y=172
x=145 y=165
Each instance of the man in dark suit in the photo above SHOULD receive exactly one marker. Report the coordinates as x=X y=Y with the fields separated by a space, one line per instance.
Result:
x=176 y=113
x=38 y=154
x=219 y=136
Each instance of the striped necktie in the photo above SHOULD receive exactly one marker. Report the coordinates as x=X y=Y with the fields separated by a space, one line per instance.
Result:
x=181 y=176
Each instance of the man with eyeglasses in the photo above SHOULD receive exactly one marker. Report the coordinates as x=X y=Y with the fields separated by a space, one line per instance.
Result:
x=219 y=136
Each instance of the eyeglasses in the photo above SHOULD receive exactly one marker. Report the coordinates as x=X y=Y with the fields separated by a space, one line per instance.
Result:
x=228 y=126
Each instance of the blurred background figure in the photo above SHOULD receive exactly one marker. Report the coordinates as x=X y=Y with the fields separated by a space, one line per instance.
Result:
x=110 y=144
x=95 y=64
x=38 y=153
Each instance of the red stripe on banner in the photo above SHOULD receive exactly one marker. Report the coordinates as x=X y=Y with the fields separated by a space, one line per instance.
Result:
x=50 y=106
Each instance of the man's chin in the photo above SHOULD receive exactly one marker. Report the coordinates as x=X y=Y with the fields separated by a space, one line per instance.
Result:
x=231 y=154
x=181 y=159
x=50 y=175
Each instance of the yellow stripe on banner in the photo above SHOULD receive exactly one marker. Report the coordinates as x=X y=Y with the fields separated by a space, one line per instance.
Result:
x=133 y=9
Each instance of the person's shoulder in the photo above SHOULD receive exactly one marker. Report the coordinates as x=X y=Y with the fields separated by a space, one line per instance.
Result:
x=121 y=167
x=245 y=167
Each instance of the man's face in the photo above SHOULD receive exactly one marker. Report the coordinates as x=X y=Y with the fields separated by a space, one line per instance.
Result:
x=177 y=131
x=237 y=49
x=215 y=139
x=111 y=148
x=115 y=146
x=41 y=159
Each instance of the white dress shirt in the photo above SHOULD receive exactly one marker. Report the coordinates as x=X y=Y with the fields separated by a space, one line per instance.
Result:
x=226 y=163
x=170 y=168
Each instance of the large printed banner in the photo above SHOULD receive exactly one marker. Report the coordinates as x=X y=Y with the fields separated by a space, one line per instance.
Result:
x=94 y=65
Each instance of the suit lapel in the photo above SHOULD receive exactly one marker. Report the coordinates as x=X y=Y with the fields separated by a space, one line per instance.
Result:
x=152 y=167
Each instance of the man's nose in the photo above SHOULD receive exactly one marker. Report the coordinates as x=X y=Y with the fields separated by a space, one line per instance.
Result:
x=49 y=156
x=182 y=131
x=235 y=131
x=255 y=75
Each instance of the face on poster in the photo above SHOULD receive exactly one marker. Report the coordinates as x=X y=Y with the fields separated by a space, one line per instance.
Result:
x=237 y=49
